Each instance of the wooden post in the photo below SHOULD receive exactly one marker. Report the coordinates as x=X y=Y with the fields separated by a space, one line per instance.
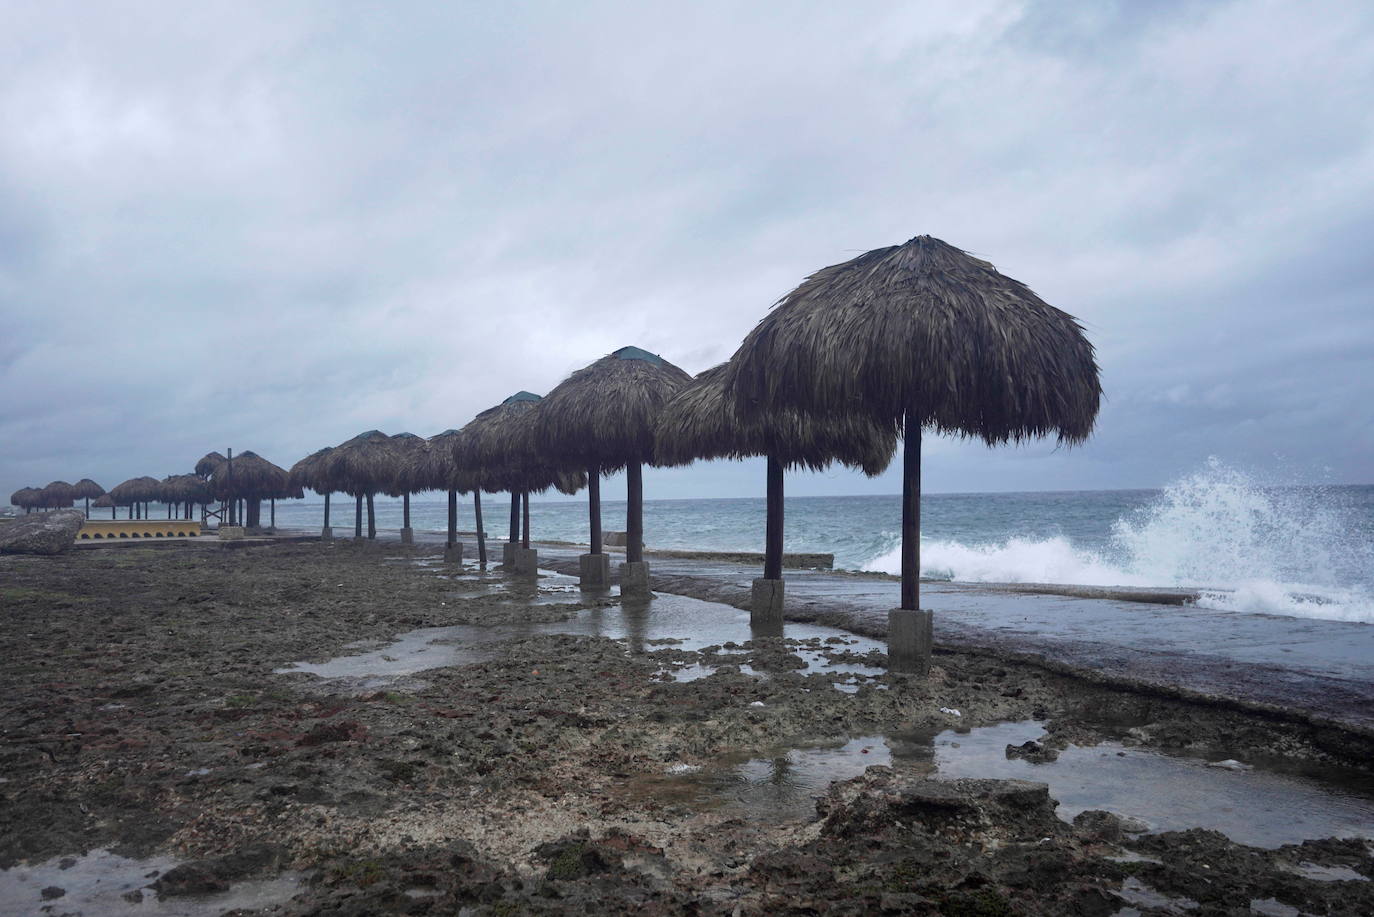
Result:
x=594 y=506
x=114 y=510
x=634 y=512
x=452 y=518
x=514 y=517
x=481 y=535
x=358 y=518
x=911 y=514
x=772 y=545
x=371 y=519
x=405 y=510
x=229 y=488
x=326 y=510
x=525 y=529
x=273 y=523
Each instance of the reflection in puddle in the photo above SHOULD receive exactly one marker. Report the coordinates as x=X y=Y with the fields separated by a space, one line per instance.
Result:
x=645 y=625
x=1166 y=793
x=101 y=882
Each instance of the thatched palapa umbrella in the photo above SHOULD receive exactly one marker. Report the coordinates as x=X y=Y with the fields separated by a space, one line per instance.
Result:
x=88 y=490
x=181 y=492
x=432 y=466
x=701 y=422
x=105 y=501
x=928 y=336
x=602 y=418
x=208 y=463
x=26 y=498
x=362 y=467
x=57 y=495
x=253 y=479
x=135 y=493
x=310 y=472
x=494 y=449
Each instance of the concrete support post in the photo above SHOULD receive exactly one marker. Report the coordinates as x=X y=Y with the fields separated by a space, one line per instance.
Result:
x=634 y=578
x=766 y=608
x=454 y=553
x=594 y=571
x=231 y=532
x=910 y=641
x=508 y=552
x=327 y=533
x=407 y=536
x=526 y=561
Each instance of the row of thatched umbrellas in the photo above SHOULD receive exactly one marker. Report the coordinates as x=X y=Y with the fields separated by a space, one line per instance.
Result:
x=898 y=340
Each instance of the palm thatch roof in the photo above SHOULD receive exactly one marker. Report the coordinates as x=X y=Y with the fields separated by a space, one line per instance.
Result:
x=432 y=467
x=362 y=465
x=208 y=463
x=494 y=447
x=604 y=414
x=86 y=489
x=104 y=501
x=311 y=472
x=701 y=422
x=253 y=477
x=928 y=329
x=136 y=490
x=406 y=451
x=57 y=494
x=185 y=488
x=26 y=497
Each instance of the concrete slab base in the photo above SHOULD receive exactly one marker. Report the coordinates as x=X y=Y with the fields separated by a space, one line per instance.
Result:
x=594 y=571
x=327 y=533
x=453 y=553
x=765 y=609
x=634 y=578
x=508 y=552
x=526 y=561
x=407 y=536
x=231 y=532
x=910 y=641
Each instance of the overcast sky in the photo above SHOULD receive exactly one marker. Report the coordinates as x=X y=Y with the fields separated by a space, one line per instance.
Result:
x=274 y=225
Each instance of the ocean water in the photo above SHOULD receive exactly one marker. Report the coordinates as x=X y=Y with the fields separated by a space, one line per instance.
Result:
x=1300 y=551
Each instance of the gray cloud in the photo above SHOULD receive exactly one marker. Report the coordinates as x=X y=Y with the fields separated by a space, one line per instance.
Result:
x=273 y=227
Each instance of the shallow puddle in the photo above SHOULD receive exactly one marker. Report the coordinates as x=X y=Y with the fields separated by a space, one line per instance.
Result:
x=1165 y=793
x=645 y=625
x=101 y=882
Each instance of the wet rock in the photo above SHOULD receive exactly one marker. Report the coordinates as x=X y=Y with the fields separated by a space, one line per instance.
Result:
x=342 y=731
x=189 y=879
x=956 y=809
x=1097 y=825
x=1033 y=752
x=52 y=892
x=42 y=533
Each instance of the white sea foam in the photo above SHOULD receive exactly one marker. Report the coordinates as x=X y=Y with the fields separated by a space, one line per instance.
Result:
x=1245 y=547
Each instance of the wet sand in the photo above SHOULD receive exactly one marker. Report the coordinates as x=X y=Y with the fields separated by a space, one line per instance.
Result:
x=334 y=728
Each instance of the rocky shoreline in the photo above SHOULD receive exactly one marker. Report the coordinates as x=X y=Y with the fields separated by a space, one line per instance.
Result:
x=143 y=713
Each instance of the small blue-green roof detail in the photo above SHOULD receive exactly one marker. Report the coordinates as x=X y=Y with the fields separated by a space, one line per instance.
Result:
x=523 y=396
x=635 y=353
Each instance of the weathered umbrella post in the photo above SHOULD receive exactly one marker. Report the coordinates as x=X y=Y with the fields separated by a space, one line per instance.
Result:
x=701 y=422
x=309 y=472
x=602 y=418
x=925 y=335
x=495 y=449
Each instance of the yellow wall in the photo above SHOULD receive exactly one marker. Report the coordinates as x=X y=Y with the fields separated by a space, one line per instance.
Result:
x=103 y=529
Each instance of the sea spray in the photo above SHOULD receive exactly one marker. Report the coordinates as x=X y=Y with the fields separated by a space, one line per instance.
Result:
x=1294 y=551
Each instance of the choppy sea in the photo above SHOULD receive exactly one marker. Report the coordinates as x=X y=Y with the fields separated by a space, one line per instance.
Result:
x=1300 y=551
